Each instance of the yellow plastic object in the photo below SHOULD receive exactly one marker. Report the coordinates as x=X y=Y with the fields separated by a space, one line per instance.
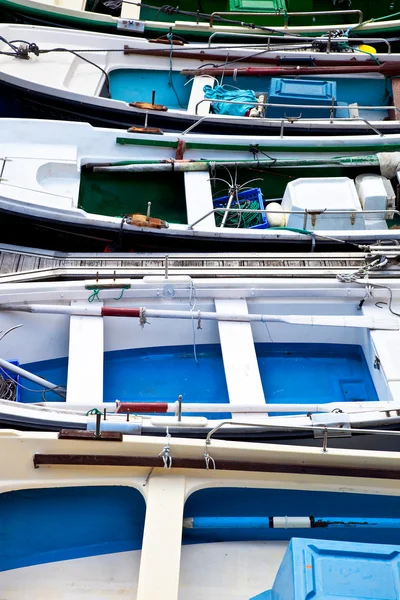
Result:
x=366 y=48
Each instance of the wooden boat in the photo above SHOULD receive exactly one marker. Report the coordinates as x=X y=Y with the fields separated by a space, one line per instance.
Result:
x=72 y=187
x=209 y=352
x=142 y=514
x=192 y=20
x=119 y=82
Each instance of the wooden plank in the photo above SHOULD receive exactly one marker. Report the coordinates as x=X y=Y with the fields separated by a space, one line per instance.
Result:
x=197 y=94
x=28 y=263
x=9 y=262
x=162 y=539
x=199 y=199
x=106 y=460
x=82 y=434
x=239 y=356
x=130 y=11
x=86 y=359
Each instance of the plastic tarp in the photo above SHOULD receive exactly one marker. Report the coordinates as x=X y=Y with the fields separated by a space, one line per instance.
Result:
x=223 y=108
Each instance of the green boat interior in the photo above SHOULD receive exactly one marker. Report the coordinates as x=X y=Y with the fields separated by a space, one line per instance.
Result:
x=272 y=12
x=117 y=194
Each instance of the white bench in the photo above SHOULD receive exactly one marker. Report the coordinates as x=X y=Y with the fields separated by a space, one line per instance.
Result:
x=197 y=94
x=240 y=360
x=86 y=359
x=199 y=199
x=130 y=11
x=69 y=4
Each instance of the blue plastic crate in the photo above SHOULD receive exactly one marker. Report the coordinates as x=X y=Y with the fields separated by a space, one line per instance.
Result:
x=252 y=195
x=6 y=373
x=335 y=570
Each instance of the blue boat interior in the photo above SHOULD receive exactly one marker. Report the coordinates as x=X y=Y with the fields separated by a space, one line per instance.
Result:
x=26 y=541
x=319 y=373
x=308 y=94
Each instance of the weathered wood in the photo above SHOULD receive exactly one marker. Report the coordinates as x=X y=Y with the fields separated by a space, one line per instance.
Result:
x=42 y=265
x=78 y=434
x=107 y=460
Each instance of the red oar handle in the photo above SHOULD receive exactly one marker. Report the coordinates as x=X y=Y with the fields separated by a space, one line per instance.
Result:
x=142 y=407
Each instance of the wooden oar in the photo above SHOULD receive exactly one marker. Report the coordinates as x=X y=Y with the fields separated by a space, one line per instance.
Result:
x=209 y=54
x=389 y=69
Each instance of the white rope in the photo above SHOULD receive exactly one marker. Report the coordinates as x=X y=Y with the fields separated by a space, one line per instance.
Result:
x=192 y=304
x=142 y=317
x=165 y=453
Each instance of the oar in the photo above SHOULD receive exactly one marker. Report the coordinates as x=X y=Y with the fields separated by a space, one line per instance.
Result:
x=52 y=387
x=209 y=54
x=389 y=69
x=203 y=165
x=258 y=523
x=390 y=323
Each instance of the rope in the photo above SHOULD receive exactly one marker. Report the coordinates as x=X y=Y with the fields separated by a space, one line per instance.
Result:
x=170 y=81
x=94 y=295
x=126 y=287
x=167 y=9
x=94 y=411
x=209 y=460
x=41 y=391
x=8 y=389
x=27 y=48
x=165 y=453
x=360 y=277
x=192 y=304
x=142 y=317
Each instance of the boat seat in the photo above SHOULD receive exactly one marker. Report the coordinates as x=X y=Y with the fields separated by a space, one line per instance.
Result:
x=86 y=359
x=199 y=200
x=69 y=4
x=239 y=355
x=130 y=11
x=394 y=115
x=197 y=94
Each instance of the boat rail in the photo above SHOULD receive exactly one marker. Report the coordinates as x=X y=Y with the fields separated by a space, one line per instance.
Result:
x=286 y=15
x=306 y=213
x=331 y=108
x=323 y=430
x=328 y=39
x=291 y=120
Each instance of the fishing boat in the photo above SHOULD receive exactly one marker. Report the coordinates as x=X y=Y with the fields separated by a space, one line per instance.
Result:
x=114 y=81
x=71 y=187
x=195 y=20
x=188 y=355
x=227 y=520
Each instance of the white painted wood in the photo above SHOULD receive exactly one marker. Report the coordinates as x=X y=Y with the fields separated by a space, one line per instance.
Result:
x=197 y=94
x=86 y=358
x=239 y=356
x=199 y=199
x=229 y=570
x=386 y=343
x=212 y=571
x=104 y=577
x=71 y=4
x=161 y=550
x=130 y=11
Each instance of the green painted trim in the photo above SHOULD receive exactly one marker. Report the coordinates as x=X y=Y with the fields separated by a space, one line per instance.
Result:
x=164 y=26
x=270 y=147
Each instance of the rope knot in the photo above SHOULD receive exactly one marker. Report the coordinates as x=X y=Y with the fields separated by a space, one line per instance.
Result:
x=165 y=453
x=142 y=316
x=169 y=10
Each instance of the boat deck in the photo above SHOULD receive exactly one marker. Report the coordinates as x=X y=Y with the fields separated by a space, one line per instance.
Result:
x=25 y=264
